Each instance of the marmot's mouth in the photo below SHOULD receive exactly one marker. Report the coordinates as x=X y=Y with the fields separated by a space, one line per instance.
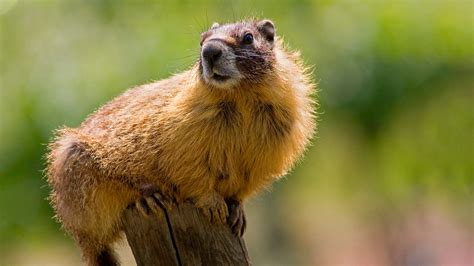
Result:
x=220 y=77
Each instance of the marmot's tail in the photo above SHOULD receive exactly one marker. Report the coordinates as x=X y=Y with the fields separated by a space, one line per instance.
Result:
x=65 y=145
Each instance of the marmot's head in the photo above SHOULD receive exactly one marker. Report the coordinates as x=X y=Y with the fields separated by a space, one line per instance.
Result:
x=233 y=54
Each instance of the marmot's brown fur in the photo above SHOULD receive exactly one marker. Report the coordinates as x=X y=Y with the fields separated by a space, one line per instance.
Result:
x=221 y=131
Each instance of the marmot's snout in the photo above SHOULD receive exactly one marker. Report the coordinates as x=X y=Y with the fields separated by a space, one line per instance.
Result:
x=218 y=63
x=211 y=52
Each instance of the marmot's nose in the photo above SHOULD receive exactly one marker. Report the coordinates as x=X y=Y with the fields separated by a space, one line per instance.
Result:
x=211 y=52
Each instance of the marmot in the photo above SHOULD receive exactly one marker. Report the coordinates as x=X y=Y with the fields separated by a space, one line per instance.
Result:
x=214 y=134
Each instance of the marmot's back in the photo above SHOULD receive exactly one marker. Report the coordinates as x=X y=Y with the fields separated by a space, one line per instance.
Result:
x=129 y=110
x=122 y=136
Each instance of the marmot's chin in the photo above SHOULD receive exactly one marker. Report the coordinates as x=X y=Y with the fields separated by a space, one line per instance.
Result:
x=219 y=80
x=222 y=82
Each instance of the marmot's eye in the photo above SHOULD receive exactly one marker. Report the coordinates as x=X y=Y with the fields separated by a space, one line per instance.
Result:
x=248 y=38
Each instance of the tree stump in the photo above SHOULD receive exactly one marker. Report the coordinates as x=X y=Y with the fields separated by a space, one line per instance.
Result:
x=182 y=236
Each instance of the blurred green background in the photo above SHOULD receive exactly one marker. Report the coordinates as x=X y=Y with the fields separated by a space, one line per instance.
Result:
x=387 y=181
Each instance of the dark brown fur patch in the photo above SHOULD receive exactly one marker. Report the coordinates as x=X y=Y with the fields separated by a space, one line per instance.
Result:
x=227 y=113
x=223 y=176
x=246 y=175
x=254 y=64
x=276 y=119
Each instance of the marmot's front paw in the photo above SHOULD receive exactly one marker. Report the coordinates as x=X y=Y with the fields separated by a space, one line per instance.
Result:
x=152 y=201
x=236 y=220
x=214 y=207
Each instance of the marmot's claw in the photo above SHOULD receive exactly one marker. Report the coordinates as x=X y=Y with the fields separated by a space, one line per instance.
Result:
x=218 y=213
x=223 y=213
x=142 y=206
x=164 y=202
x=147 y=205
x=236 y=221
x=152 y=191
x=152 y=201
x=215 y=208
x=153 y=204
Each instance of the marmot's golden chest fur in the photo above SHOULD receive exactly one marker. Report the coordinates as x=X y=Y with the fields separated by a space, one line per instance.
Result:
x=217 y=133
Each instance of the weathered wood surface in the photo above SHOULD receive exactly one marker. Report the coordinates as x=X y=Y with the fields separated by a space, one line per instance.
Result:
x=182 y=236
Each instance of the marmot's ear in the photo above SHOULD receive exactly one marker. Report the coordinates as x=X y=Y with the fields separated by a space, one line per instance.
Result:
x=214 y=25
x=267 y=29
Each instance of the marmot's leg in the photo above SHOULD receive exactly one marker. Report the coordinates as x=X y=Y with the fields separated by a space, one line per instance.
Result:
x=88 y=203
x=236 y=220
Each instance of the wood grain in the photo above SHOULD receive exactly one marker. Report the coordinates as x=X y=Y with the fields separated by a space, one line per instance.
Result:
x=182 y=236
